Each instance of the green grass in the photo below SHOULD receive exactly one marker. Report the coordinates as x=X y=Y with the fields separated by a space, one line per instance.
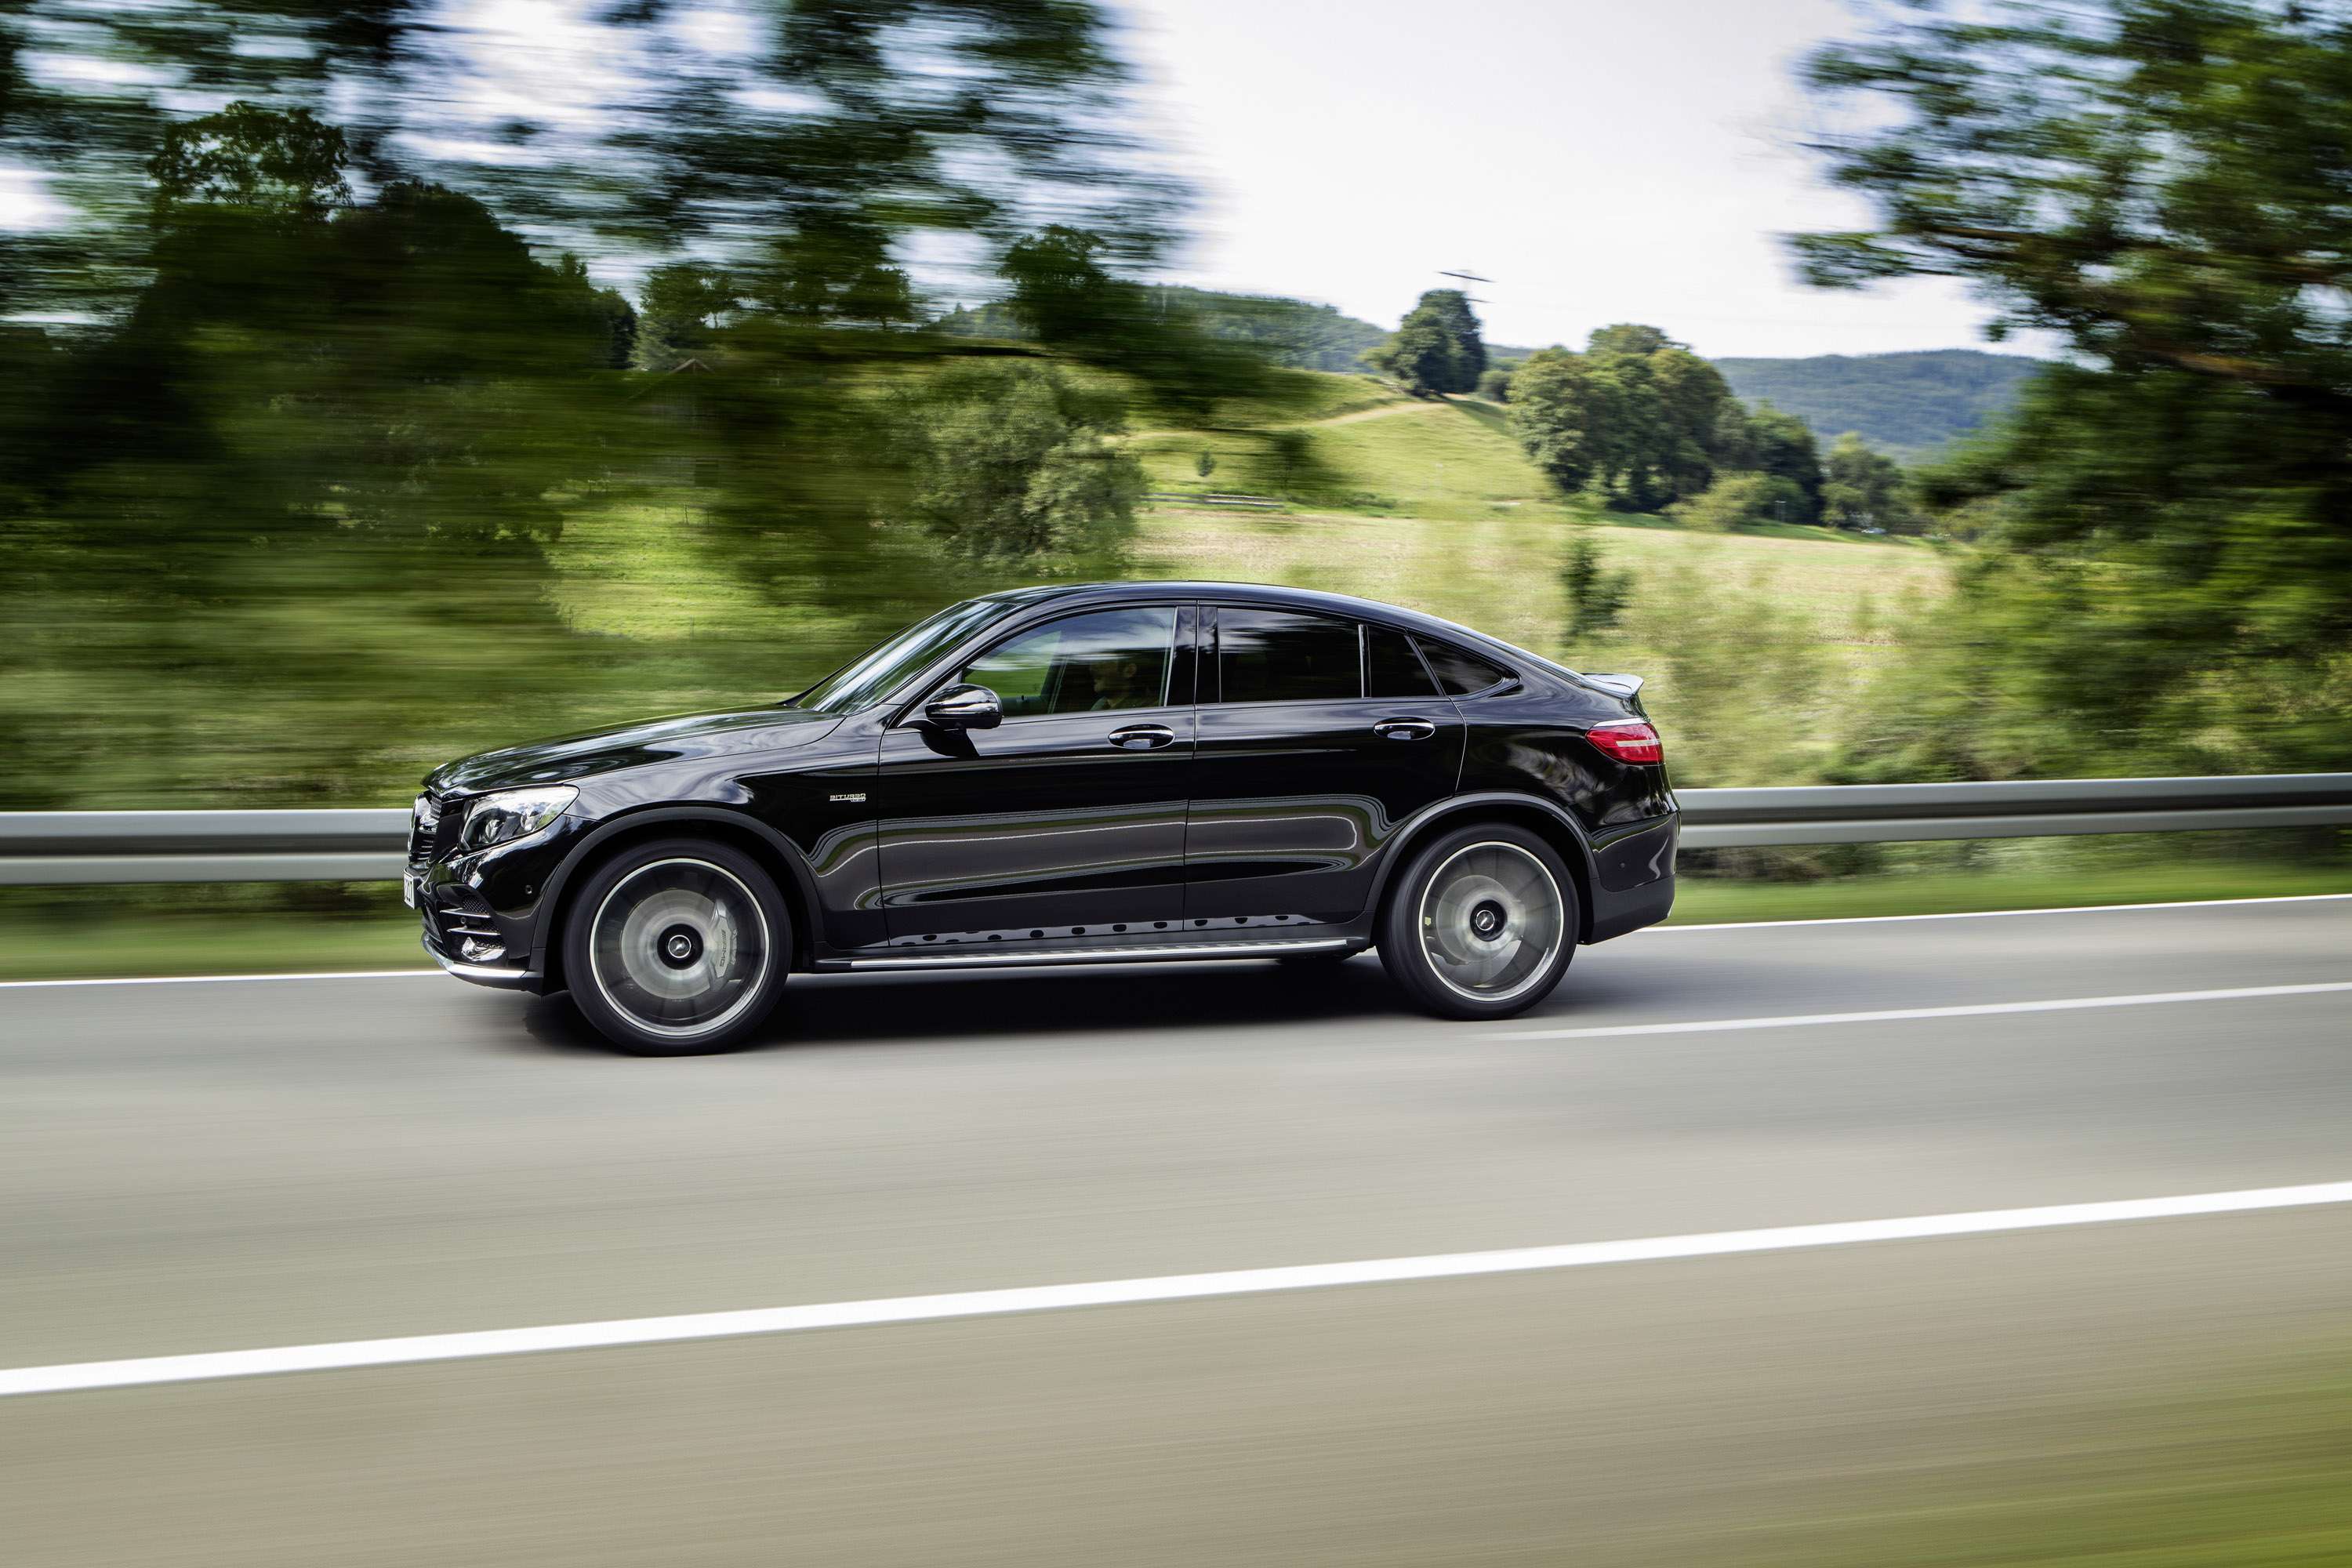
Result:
x=1436 y=459
x=1499 y=573
x=189 y=944
x=2250 y=1475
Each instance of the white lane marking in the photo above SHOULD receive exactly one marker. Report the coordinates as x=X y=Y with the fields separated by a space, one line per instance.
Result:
x=219 y=979
x=1123 y=1292
x=1989 y=914
x=1972 y=1010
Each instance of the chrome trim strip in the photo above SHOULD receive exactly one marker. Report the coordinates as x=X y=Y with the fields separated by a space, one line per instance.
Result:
x=1106 y=954
x=479 y=973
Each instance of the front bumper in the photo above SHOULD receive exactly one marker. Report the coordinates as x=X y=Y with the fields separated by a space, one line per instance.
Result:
x=481 y=911
x=483 y=974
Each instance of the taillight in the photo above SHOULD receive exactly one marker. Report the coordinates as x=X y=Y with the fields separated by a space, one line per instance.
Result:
x=1628 y=741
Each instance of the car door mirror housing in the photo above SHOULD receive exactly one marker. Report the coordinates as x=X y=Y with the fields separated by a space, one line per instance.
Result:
x=965 y=707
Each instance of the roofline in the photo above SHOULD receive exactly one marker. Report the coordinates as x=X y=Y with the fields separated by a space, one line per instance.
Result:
x=1343 y=603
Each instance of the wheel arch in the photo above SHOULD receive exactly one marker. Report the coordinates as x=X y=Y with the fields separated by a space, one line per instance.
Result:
x=1550 y=821
x=771 y=849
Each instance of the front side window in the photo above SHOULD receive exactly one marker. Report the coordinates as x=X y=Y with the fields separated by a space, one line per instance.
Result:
x=1278 y=656
x=1110 y=659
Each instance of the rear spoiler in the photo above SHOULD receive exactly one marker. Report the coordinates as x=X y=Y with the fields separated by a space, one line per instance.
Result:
x=1623 y=686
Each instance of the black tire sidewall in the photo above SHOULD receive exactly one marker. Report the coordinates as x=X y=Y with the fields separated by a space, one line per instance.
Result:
x=1400 y=950
x=612 y=1021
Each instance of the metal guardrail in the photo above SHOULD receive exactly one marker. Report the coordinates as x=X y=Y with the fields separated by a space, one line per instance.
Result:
x=66 y=846
x=2031 y=808
x=202 y=846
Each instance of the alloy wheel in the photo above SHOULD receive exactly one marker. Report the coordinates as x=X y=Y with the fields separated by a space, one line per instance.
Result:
x=1491 y=919
x=679 y=946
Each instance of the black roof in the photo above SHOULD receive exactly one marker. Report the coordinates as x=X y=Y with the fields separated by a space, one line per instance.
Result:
x=1255 y=593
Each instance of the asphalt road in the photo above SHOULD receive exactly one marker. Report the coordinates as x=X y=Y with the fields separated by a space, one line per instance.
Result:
x=221 y=1166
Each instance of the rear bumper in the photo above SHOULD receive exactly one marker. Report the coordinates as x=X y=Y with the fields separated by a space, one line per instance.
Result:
x=1633 y=879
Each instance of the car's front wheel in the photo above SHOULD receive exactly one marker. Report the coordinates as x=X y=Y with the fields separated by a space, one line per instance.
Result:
x=678 y=947
x=1481 y=923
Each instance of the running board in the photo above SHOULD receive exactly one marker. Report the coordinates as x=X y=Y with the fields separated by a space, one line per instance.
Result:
x=1002 y=959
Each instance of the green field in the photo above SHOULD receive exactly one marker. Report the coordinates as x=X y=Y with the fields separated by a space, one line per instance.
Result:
x=1500 y=574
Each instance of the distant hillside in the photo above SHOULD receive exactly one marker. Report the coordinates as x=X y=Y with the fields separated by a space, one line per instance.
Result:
x=1905 y=404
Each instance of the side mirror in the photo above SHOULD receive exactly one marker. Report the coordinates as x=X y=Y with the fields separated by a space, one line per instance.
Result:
x=965 y=708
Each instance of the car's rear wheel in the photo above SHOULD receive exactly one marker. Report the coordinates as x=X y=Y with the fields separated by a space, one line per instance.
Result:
x=1481 y=924
x=678 y=947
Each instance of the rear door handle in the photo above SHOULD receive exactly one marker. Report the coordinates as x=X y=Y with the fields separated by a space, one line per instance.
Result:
x=1143 y=737
x=1405 y=729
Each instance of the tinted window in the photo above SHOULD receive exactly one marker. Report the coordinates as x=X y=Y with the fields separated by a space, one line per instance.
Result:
x=1460 y=673
x=1114 y=659
x=1273 y=655
x=1391 y=667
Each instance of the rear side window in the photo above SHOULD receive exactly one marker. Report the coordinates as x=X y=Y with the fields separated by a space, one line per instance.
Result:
x=1391 y=667
x=1460 y=673
x=1277 y=655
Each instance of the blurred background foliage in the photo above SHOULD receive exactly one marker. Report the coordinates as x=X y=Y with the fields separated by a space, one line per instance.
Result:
x=324 y=456
x=306 y=390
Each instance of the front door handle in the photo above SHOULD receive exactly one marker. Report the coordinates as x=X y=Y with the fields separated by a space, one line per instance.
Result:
x=1143 y=737
x=1405 y=729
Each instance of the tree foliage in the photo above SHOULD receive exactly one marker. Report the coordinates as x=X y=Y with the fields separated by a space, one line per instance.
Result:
x=1637 y=417
x=1866 y=490
x=1012 y=463
x=1436 y=348
x=2163 y=182
x=319 y=385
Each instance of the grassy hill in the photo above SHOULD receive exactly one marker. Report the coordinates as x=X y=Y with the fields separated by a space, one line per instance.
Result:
x=1357 y=445
x=1905 y=404
x=1430 y=504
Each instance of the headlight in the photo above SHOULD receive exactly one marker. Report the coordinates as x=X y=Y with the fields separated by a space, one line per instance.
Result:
x=513 y=813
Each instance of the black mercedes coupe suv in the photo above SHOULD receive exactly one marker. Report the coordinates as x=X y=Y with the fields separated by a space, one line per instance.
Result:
x=1127 y=773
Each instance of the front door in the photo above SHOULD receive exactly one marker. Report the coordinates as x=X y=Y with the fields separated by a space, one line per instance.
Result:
x=1068 y=820
x=1319 y=737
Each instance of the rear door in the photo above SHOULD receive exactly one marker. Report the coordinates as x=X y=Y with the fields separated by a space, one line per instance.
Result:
x=1319 y=736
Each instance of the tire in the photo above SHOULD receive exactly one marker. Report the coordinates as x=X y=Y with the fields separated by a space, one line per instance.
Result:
x=678 y=948
x=1481 y=923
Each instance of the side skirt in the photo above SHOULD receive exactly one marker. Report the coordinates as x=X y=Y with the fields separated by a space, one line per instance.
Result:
x=1159 y=953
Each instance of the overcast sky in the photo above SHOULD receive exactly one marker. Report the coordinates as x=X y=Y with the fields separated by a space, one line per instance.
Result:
x=1598 y=160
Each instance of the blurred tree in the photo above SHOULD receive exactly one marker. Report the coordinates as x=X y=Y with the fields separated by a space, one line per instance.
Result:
x=1637 y=417
x=1738 y=500
x=2163 y=182
x=311 y=471
x=1495 y=384
x=1012 y=465
x=1866 y=490
x=1596 y=594
x=1436 y=348
x=1781 y=446
x=683 y=305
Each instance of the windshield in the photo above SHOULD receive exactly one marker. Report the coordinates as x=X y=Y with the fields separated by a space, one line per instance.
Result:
x=876 y=673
